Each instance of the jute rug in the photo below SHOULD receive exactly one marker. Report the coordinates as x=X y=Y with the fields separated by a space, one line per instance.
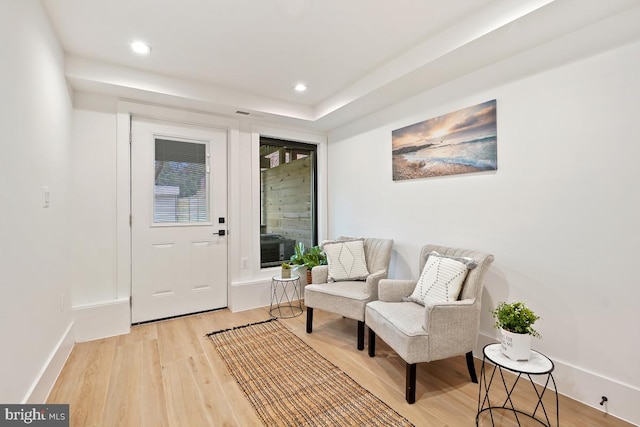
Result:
x=290 y=384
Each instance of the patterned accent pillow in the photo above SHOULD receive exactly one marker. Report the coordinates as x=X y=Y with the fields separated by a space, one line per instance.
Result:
x=346 y=260
x=469 y=262
x=441 y=280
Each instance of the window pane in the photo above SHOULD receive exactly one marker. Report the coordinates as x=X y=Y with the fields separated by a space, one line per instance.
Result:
x=287 y=199
x=180 y=193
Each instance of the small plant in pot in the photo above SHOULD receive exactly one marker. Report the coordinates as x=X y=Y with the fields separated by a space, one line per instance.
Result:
x=309 y=258
x=515 y=322
x=313 y=257
x=297 y=259
x=286 y=270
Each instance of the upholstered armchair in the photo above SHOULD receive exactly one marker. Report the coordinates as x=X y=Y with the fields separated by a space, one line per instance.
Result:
x=349 y=281
x=436 y=330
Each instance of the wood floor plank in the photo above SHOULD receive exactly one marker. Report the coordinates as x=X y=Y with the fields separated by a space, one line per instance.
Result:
x=124 y=395
x=192 y=389
x=126 y=380
x=206 y=323
x=144 y=332
x=243 y=413
x=223 y=409
x=153 y=393
x=84 y=380
x=135 y=394
x=177 y=340
x=183 y=394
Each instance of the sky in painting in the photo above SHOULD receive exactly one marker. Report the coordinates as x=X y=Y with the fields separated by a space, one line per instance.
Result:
x=470 y=123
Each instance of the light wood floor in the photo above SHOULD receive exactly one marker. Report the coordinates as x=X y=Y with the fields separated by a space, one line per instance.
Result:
x=168 y=374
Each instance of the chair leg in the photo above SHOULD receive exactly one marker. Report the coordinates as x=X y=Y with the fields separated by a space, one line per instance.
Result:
x=309 y=319
x=411 y=383
x=372 y=343
x=472 y=367
x=360 y=335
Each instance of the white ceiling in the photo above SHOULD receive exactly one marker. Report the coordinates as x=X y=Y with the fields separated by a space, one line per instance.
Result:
x=356 y=56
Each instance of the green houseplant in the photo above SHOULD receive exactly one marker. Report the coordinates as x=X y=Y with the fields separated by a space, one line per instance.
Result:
x=298 y=254
x=308 y=257
x=515 y=321
x=286 y=270
x=313 y=257
x=515 y=317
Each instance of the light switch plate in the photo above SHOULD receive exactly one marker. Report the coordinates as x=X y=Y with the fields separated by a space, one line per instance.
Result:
x=45 y=195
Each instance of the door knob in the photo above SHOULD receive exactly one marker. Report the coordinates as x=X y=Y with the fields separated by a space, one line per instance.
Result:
x=221 y=233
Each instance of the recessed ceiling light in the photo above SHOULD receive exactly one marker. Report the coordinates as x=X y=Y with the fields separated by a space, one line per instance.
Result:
x=300 y=87
x=141 y=48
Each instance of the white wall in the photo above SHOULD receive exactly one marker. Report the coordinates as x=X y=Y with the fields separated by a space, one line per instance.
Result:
x=560 y=214
x=100 y=231
x=94 y=201
x=35 y=118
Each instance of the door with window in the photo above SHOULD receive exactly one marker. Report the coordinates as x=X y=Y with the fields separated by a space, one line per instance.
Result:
x=178 y=209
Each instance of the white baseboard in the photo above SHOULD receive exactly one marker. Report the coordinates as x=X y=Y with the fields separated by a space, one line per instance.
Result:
x=588 y=388
x=42 y=386
x=248 y=295
x=257 y=293
x=102 y=320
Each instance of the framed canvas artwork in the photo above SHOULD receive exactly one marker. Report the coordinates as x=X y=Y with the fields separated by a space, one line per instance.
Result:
x=464 y=141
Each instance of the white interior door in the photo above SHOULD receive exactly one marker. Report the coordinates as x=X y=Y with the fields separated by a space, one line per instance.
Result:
x=178 y=207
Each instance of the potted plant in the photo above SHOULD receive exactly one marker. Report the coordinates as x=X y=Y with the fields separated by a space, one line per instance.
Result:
x=308 y=258
x=297 y=258
x=515 y=322
x=286 y=270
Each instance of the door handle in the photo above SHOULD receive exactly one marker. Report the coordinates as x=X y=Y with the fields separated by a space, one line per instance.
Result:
x=220 y=233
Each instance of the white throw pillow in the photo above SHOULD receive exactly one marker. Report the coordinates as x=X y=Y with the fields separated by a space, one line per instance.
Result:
x=346 y=260
x=441 y=280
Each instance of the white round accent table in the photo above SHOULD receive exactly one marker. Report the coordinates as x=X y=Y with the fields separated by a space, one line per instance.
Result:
x=281 y=300
x=538 y=364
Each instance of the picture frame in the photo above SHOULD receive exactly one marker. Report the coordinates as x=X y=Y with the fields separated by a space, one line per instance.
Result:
x=460 y=142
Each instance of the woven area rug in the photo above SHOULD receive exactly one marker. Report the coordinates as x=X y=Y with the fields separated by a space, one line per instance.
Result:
x=290 y=384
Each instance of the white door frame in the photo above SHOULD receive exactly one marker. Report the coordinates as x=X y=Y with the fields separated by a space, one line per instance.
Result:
x=123 y=176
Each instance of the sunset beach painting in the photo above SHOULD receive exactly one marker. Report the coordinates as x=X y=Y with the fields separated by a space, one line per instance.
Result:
x=463 y=141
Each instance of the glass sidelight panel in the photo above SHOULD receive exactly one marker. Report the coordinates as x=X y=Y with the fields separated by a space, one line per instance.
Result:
x=181 y=182
x=287 y=199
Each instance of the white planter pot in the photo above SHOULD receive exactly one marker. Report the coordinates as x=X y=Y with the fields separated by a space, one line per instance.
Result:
x=301 y=271
x=515 y=346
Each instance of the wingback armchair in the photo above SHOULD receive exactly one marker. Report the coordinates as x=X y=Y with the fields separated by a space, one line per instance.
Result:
x=434 y=331
x=348 y=298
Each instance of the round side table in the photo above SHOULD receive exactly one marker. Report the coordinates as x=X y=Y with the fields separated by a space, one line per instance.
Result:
x=281 y=300
x=538 y=364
